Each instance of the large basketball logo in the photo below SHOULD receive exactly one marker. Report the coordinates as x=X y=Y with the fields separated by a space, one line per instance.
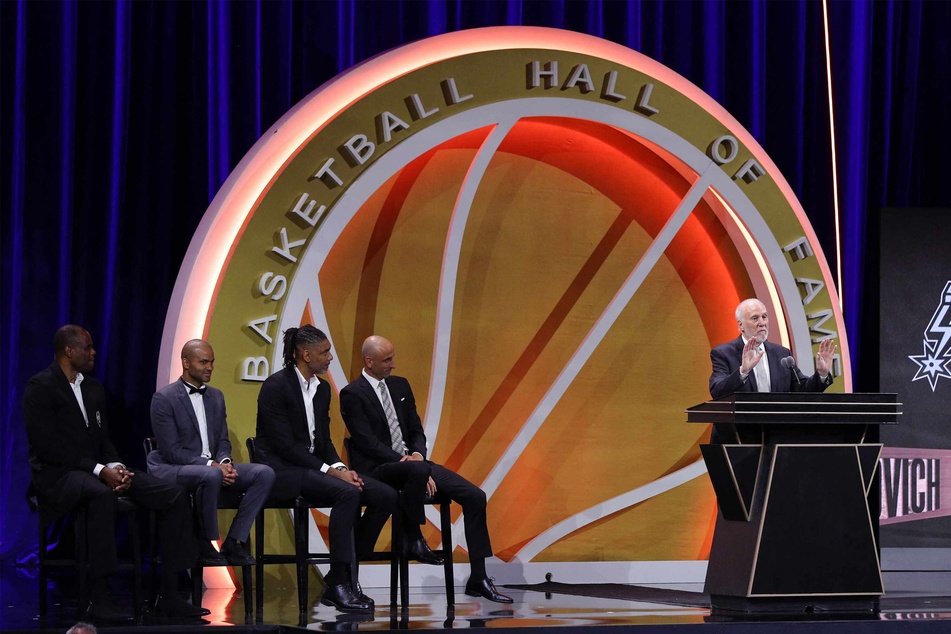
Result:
x=553 y=230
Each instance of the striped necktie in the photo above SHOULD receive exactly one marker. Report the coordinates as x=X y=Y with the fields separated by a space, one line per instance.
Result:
x=396 y=435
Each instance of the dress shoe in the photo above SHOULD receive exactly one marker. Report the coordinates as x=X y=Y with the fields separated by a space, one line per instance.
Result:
x=420 y=551
x=208 y=556
x=364 y=597
x=176 y=607
x=343 y=598
x=104 y=610
x=236 y=553
x=486 y=589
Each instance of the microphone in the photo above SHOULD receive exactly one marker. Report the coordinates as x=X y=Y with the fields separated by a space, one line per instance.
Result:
x=790 y=363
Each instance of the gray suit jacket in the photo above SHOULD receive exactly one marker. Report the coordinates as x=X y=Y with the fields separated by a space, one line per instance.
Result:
x=176 y=429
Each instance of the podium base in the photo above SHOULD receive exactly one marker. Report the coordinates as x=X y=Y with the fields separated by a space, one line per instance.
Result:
x=812 y=604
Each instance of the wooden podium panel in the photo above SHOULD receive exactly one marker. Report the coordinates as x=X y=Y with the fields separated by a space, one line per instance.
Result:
x=794 y=531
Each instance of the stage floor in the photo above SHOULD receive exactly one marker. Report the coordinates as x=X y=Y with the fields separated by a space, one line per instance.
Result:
x=428 y=610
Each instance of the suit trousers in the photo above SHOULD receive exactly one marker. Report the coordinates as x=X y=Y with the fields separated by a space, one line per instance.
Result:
x=177 y=539
x=406 y=474
x=254 y=481
x=410 y=477
x=351 y=535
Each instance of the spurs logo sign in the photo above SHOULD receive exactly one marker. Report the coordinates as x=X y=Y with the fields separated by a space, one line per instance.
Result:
x=935 y=361
x=553 y=230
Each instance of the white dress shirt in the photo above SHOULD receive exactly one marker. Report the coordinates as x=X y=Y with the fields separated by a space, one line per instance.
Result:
x=308 y=388
x=198 y=404
x=78 y=393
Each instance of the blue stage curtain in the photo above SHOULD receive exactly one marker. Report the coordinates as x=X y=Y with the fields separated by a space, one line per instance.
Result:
x=120 y=120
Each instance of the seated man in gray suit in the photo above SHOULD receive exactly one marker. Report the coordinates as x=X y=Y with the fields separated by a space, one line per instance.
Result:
x=191 y=426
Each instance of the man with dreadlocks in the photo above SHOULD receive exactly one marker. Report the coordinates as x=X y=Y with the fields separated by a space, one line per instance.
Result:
x=293 y=437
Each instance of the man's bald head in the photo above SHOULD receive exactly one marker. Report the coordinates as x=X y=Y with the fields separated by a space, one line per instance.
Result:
x=198 y=362
x=192 y=347
x=374 y=343
x=378 y=356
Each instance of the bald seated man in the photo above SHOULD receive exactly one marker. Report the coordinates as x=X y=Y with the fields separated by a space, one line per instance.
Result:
x=389 y=444
x=190 y=423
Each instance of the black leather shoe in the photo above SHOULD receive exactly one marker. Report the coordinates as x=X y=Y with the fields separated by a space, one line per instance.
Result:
x=364 y=597
x=420 y=551
x=343 y=598
x=174 y=606
x=236 y=553
x=486 y=589
x=104 y=610
x=208 y=556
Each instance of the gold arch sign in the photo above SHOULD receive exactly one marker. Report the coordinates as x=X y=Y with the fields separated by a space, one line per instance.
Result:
x=553 y=230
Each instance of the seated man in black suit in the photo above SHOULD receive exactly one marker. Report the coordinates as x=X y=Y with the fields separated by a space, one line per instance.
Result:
x=749 y=363
x=293 y=437
x=191 y=426
x=388 y=442
x=74 y=463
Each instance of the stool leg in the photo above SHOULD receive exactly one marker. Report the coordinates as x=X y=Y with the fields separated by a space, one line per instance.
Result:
x=404 y=569
x=136 y=564
x=41 y=554
x=301 y=548
x=396 y=554
x=445 y=520
x=198 y=581
x=259 y=566
x=153 y=562
x=246 y=581
x=80 y=531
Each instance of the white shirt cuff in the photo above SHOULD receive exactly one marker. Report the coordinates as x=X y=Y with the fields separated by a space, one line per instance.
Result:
x=100 y=467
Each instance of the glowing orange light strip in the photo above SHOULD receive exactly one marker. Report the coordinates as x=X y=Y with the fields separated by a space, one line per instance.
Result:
x=225 y=219
x=767 y=275
x=835 y=170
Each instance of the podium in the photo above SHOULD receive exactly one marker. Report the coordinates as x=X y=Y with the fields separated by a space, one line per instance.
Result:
x=792 y=473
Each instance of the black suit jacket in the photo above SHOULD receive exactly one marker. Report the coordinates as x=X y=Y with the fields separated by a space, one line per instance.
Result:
x=725 y=379
x=283 y=440
x=369 y=432
x=59 y=439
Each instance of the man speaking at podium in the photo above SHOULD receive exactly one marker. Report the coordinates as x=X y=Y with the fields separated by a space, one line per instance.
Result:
x=749 y=363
